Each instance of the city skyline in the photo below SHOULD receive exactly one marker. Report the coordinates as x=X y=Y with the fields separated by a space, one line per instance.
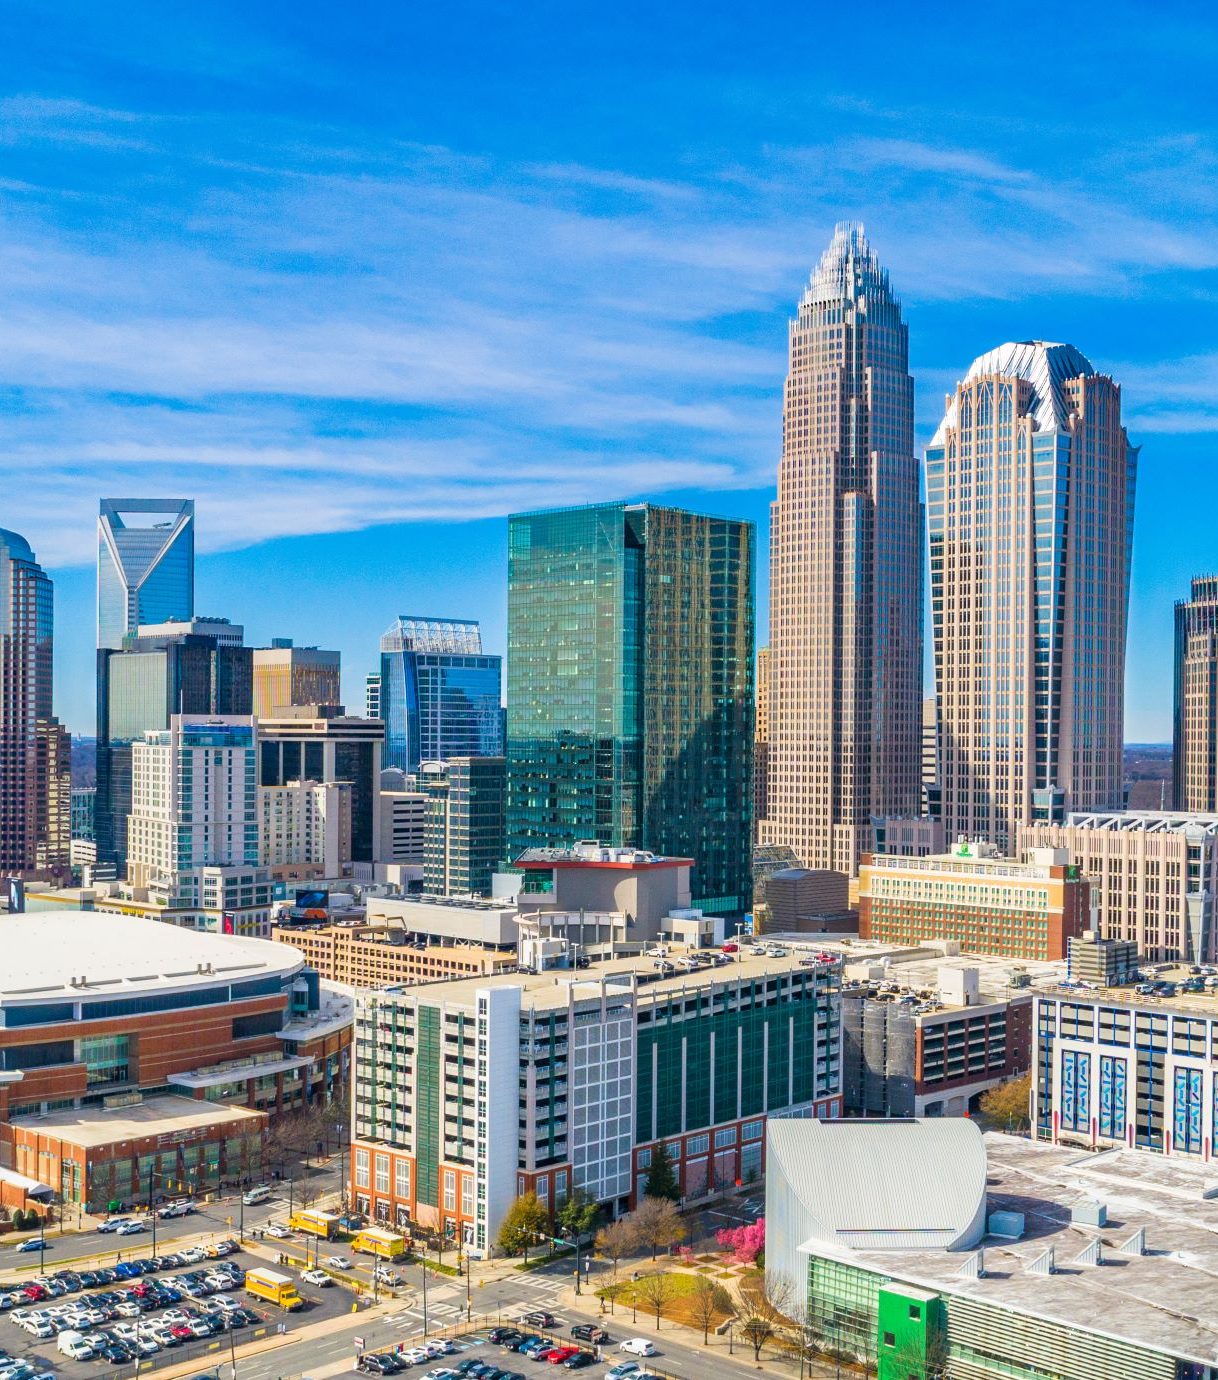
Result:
x=360 y=322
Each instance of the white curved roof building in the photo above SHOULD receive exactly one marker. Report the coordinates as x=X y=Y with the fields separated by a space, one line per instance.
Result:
x=871 y=1185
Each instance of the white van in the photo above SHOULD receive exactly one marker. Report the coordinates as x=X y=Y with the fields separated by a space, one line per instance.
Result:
x=251 y=1196
x=75 y=1345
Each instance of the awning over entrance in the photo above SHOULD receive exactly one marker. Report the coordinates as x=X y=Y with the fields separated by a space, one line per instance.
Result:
x=32 y=1188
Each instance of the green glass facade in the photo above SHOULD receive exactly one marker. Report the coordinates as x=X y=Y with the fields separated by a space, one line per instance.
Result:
x=630 y=687
x=871 y=1316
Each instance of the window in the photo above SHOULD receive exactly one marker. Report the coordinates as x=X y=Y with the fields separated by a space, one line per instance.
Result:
x=725 y=1137
x=889 y=1339
x=697 y=1145
x=645 y=1158
x=915 y=1312
x=752 y=1130
x=382 y=1173
x=467 y=1195
x=450 y=1190
x=402 y=1179
x=361 y=1169
x=106 y=1059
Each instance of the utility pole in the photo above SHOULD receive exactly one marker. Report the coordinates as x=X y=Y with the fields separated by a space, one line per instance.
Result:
x=151 y=1213
x=423 y=1267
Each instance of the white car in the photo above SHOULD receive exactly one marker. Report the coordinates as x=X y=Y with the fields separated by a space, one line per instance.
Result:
x=638 y=1346
x=338 y=1262
x=193 y=1254
x=130 y=1229
x=387 y=1276
x=414 y=1355
x=318 y=1277
x=278 y=1231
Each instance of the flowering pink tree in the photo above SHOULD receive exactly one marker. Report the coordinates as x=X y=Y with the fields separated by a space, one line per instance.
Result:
x=745 y=1243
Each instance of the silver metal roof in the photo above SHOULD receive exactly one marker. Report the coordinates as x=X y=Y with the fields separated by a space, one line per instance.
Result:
x=1045 y=364
x=884 y=1185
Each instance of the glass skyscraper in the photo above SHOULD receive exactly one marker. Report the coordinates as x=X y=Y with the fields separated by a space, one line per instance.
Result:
x=439 y=693
x=145 y=565
x=630 y=687
x=1029 y=495
x=845 y=668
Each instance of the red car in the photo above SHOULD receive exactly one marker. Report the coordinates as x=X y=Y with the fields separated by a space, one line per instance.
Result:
x=181 y=1332
x=557 y=1355
x=731 y=947
x=35 y=1293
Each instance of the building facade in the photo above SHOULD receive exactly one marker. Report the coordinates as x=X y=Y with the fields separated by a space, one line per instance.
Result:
x=630 y=687
x=1030 y=484
x=761 y=741
x=403 y=824
x=35 y=768
x=1154 y=877
x=194 y=827
x=304 y=829
x=1195 y=722
x=470 y=1093
x=285 y=675
x=127 y=1048
x=439 y=693
x=145 y=565
x=845 y=569
x=154 y=676
x=464 y=826
x=321 y=743
x=988 y=903
x=376 y=954
x=1129 y=1066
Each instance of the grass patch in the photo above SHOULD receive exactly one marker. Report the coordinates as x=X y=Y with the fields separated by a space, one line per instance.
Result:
x=680 y=1306
x=543 y=1260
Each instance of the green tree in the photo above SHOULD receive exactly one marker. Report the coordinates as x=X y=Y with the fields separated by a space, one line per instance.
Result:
x=523 y=1222
x=661 y=1177
x=578 y=1215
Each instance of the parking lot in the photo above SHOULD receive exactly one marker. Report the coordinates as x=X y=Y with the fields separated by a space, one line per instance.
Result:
x=158 y=1310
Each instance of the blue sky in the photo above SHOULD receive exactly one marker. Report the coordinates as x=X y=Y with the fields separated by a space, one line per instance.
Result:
x=361 y=280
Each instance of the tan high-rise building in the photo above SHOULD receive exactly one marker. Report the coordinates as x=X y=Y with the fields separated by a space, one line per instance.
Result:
x=1029 y=492
x=1195 y=730
x=845 y=570
x=761 y=742
x=287 y=676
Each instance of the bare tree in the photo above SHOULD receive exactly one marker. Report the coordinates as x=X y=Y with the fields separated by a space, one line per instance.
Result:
x=306 y=1193
x=656 y=1291
x=614 y=1291
x=658 y=1224
x=616 y=1239
x=707 y=1304
x=764 y=1304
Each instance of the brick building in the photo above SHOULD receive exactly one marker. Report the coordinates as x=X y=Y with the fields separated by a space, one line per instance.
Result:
x=987 y=903
x=106 y=1019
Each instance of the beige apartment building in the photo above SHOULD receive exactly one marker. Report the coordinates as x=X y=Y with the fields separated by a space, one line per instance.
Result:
x=845 y=666
x=1154 y=877
x=1029 y=489
x=1195 y=728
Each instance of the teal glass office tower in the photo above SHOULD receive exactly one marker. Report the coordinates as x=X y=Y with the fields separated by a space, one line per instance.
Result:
x=630 y=687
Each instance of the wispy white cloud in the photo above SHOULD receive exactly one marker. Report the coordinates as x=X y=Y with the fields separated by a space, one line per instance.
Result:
x=311 y=332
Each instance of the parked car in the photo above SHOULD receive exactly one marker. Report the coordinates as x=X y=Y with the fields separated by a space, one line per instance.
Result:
x=539 y=1319
x=278 y=1231
x=318 y=1277
x=589 y=1332
x=414 y=1355
x=638 y=1346
x=379 y=1363
x=578 y=1361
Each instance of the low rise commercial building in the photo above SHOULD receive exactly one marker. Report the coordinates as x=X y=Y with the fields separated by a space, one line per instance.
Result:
x=470 y=1093
x=924 y=1037
x=1130 y=1065
x=100 y=1012
x=381 y=954
x=987 y=903
x=921 y=1248
x=1153 y=874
